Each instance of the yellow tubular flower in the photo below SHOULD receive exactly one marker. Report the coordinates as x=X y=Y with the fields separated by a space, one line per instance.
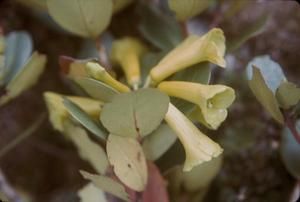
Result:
x=58 y=113
x=99 y=73
x=212 y=100
x=198 y=147
x=126 y=52
x=194 y=49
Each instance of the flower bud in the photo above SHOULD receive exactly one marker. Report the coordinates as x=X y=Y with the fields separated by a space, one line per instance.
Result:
x=126 y=52
x=98 y=72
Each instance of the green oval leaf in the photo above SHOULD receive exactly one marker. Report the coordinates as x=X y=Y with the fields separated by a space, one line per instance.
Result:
x=87 y=148
x=271 y=71
x=158 y=142
x=18 y=48
x=129 y=163
x=90 y=193
x=188 y=8
x=83 y=118
x=106 y=184
x=25 y=78
x=161 y=30
x=96 y=89
x=136 y=113
x=248 y=30
x=81 y=17
x=287 y=94
x=290 y=150
x=264 y=95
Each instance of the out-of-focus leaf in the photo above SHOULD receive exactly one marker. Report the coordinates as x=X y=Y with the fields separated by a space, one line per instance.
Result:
x=161 y=30
x=58 y=112
x=156 y=187
x=37 y=4
x=88 y=149
x=199 y=73
x=193 y=50
x=250 y=31
x=201 y=176
x=90 y=193
x=287 y=94
x=135 y=114
x=118 y=5
x=81 y=17
x=107 y=185
x=264 y=95
x=82 y=117
x=96 y=89
x=235 y=7
x=25 y=78
x=188 y=8
x=88 y=49
x=3 y=197
x=195 y=181
x=290 y=150
x=158 y=142
x=18 y=48
x=270 y=70
x=129 y=163
x=2 y=60
x=148 y=61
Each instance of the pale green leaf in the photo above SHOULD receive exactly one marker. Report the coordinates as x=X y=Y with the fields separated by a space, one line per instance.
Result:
x=129 y=163
x=3 y=196
x=149 y=60
x=197 y=180
x=25 y=78
x=250 y=30
x=82 y=117
x=287 y=94
x=193 y=50
x=161 y=30
x=107 y=185
x=201 y=176
x=96 y=89
x=136 y=113
x=81 y=17
x=264 y=95
x=88 y=149
x=270 y=70
x=90 y=193
x=18 y=48
x=290 y=150
x=188 y=8
x=158 y=142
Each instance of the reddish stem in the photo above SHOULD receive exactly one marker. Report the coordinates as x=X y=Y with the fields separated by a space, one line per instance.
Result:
x=291 y=124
